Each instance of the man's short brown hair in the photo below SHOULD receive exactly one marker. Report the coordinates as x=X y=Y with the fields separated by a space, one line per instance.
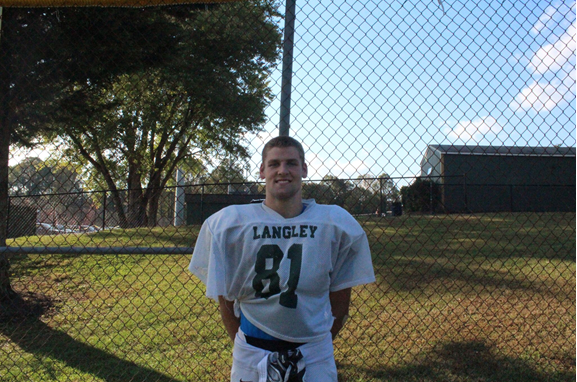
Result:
x=283 y=141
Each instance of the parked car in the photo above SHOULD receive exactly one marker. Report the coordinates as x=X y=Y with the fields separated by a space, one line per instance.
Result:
x=89 y=228
x=46 y=229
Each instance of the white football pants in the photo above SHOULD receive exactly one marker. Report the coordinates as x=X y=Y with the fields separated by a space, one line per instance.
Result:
x=318 y=356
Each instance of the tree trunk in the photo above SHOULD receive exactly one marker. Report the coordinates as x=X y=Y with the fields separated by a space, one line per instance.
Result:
x=6 y=292
x=136 y=210
x=152 y=195
x=153 y=205
x=119 y=208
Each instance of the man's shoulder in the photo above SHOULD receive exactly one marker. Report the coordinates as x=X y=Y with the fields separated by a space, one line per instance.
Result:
x=336 y=216
x=234 y=214
x=332 y=210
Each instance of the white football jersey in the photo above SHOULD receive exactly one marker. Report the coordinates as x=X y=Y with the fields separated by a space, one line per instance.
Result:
x=282 y=270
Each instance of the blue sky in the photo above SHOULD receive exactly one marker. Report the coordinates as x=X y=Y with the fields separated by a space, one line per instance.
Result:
x=375 y=82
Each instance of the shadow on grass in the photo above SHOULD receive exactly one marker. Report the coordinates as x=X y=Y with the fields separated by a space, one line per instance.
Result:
x=20 y=322
x=462 y=362
x=414 y=275
x=536 y=236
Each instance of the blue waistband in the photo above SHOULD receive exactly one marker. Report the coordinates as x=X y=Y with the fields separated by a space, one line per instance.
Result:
x=250 y=330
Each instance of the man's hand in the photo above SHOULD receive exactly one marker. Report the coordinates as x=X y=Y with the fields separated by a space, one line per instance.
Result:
x=340 y=301
x=230 y=321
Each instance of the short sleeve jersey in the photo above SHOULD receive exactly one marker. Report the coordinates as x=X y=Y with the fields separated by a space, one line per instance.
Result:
x=281 y=270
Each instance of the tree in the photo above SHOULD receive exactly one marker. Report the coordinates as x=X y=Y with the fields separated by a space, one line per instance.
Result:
x=48 y=51
x=135 y=131
x=34 y=176
x=229 y=175
x=346 y=193
x=369 y=182
x=388 y=188
x=54 y=187
x=317 y=191
x=383 y=187
x=337 y=189
x=383 y=184
x=228 y=171
x=15 y=67
x=423 y=195
x=58 y=62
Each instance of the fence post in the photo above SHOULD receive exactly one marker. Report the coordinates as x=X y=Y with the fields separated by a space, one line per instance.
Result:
x=431 y=195
x=382 y=211
x=104 y=210
x=179 y=213
x=511 y=198
x=202 y=204
x=287 y=68
x=6 y=292
x=465 y=194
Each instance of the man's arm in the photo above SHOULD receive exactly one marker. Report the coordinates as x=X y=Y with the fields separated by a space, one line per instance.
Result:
x=230 y=321
x=340 y=301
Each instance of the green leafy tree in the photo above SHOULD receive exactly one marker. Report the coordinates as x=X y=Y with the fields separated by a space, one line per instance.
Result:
x=227 y=177
x=228 y=171
x=380 y=184
x=317 y=191
x=59 y=67
x=422 y=196
x=389 y=188
x=47 y=52
x=382 y=187
x=34 y=176
x=345 y=193
x=210 y=94
x=337 y=189
x=28 y=177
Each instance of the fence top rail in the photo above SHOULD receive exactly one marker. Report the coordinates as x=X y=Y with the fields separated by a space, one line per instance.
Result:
x=98 y=250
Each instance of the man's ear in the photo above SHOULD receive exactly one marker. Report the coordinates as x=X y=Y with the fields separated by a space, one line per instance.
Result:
x=261 y=171
x=305 y=170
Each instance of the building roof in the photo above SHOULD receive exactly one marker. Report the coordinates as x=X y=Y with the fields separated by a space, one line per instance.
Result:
x=504 y=150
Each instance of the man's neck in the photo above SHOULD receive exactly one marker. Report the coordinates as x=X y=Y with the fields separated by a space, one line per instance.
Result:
x=286 y=208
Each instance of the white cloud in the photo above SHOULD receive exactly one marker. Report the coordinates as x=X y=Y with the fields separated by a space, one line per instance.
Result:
x=544 y=96
x=475 y=130
x=553 y=57
x=545 y=18
x=341 y=168
x=555 y=60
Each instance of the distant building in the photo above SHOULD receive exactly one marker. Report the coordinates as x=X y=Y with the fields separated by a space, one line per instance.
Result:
x=502 y=178
x=201 y=206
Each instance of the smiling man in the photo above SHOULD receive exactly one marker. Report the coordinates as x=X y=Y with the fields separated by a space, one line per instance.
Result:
x=282 y=272
x=283 y=169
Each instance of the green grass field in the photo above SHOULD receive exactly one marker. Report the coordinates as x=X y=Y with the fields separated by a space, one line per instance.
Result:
x=458 y=298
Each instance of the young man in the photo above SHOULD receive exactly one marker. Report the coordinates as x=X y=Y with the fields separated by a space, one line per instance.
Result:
x=282 y=272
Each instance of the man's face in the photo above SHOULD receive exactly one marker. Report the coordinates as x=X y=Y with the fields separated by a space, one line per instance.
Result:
x=283 y=170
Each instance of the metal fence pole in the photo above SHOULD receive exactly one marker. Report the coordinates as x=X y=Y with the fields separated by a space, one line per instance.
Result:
x=104 y=210
x=287 y=67
x=179 y=199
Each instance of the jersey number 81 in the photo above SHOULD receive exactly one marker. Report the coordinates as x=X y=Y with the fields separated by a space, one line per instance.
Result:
x=288 y=298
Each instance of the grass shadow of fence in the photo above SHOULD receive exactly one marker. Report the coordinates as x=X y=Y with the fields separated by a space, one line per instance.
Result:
x=410 y=275
x=20 y=322
x=458 y=361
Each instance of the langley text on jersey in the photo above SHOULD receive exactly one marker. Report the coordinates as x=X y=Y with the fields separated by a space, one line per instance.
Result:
x=283 y=232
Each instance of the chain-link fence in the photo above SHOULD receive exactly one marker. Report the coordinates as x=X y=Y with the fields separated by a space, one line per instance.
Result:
x=446 y=128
